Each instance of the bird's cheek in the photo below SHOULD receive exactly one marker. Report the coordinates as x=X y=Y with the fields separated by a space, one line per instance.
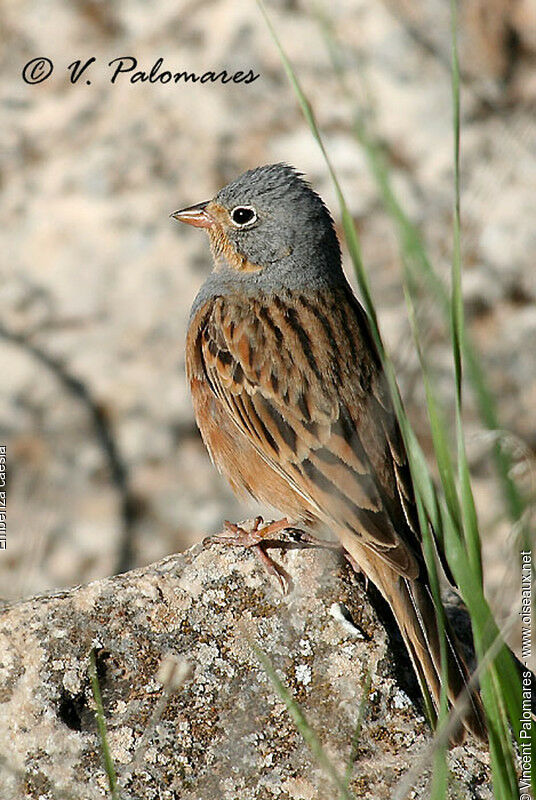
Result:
x=278 y=243
x=279 y=253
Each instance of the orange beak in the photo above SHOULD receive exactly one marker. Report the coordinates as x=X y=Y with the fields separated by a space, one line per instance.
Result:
x=197 y=216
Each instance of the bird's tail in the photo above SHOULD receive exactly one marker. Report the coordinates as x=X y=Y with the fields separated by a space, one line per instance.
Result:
x=412 y=605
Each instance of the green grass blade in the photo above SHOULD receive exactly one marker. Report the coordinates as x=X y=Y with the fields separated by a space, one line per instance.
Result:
x=438 y=427
x=303 y=726
x=501 y=751
x=347 y=221
x=456 y=303
x=470 y=523
x=357 y=733
x=471 y=588
x=440 y=773
x=101 y=726
x=500 y=682
x=469 y=515
x=514 y=500
x=414 y=253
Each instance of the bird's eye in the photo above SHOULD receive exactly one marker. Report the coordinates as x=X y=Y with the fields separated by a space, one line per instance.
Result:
x=243 y=215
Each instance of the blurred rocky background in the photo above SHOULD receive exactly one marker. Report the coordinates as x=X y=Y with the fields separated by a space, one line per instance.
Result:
x=106 y=468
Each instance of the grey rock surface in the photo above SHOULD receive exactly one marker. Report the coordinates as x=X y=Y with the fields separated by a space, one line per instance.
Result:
x=224 y=733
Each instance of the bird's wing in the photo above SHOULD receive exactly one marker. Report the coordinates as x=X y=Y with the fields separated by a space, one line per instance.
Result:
x=299 y=376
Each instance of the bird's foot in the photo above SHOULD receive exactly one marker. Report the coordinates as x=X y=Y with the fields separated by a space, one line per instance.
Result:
x=258 y=539
x=249 y=533
x=257 y=536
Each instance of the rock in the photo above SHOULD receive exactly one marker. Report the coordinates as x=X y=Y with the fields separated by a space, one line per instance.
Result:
x=220 y=730
x=98 y=278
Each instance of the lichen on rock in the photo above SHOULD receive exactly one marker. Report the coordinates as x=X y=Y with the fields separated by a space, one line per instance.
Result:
x=221 y=731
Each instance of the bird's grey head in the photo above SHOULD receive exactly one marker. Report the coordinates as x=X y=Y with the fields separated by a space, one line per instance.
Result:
x=269 y=227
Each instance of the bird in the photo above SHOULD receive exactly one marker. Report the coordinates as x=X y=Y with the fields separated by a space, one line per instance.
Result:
x=293 y=406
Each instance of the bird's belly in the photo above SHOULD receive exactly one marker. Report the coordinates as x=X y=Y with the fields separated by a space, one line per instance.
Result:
x=236 y=458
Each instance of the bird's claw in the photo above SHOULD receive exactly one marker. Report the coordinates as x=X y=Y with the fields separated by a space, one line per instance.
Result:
x=254 y=536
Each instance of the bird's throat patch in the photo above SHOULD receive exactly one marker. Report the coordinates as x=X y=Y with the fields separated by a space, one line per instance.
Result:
x=222 y=248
